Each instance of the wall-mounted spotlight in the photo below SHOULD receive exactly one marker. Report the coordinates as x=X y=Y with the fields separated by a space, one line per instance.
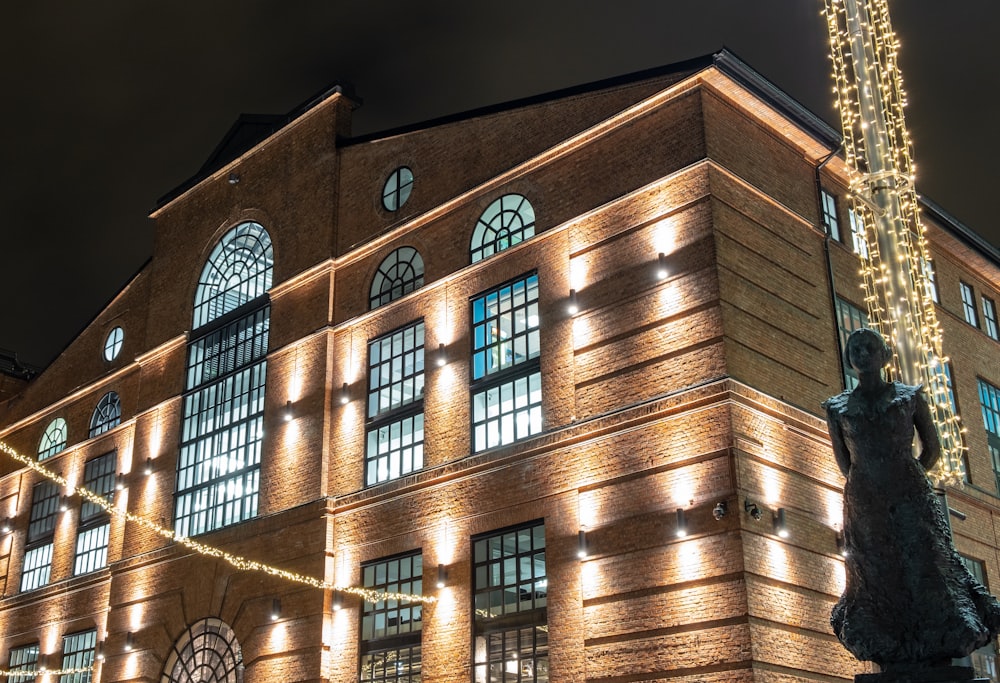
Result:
x=441 y=359
x=841 y=543
x=661 y=266
x=345 y=394
x=5 y=526
x=780 y=526
x=720 y=510
x=275 y=609
x=147 y=469
x=99 y=651
x=338 y=601
x=234 y=178
x=129 y=641
x=63 y=503
x=119 y=482
x=752 y=509
x=442 y=577
x=288 y=414
x=681 y=530
x=572 y=305
x=581 y=545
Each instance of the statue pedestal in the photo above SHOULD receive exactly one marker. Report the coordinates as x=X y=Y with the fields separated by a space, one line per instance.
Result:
x=938 y=674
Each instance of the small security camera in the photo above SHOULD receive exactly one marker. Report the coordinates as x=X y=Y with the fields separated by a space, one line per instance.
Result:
x=720 y=510
x=753 y=510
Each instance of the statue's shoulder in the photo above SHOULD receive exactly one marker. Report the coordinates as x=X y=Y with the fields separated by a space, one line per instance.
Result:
x=906 y=393
x=836 y=405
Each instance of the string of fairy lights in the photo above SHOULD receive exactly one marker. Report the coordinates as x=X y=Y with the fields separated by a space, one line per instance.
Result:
x=898 y=295
x=241 y=563
x=29 y=674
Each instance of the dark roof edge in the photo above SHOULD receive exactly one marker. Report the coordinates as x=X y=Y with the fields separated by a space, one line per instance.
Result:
x=279 y=122
x=730 y=64
x=687 y=66
x=960 y=230
x=11 y=366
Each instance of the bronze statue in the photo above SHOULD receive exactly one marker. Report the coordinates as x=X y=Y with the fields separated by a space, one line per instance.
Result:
x=910 y=603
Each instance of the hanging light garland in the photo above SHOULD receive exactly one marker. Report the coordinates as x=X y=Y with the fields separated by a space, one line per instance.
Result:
x=34 y=673
x=897 y=294
x=241 y=563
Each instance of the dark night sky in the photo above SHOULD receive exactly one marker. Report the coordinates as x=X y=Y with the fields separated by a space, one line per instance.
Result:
x=109 y=104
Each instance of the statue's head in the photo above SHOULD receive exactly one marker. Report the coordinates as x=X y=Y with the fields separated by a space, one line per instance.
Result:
x=867 y=350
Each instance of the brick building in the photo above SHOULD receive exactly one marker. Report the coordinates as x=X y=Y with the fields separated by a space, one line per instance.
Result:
x=563 y=356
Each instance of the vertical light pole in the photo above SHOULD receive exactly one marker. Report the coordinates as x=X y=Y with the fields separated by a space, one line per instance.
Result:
x=871 y=100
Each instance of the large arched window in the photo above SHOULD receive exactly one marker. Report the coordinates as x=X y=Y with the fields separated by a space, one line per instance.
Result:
x=506 y=222
x=207 y=652
x=53 y=440
x=218 y=471
x=107 y=415
x=237 y=272
x=400 y=273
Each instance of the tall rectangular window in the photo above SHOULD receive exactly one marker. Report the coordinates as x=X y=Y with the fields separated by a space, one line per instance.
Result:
x=24 y=658
x=95 y=523
x=830 y=220
x=858 y=237
x=849 y=318
x=218 y=470
x=35 y=571
x=394 y=442
x=510 y=592
x=989 y=401
x=930 y=279
x=78 y=653
x=969 y=304
x=390 y=629
x=506 y=371
x=990 y=318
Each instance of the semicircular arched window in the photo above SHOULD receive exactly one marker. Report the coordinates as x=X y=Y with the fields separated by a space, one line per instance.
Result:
x=400 y=273
x=207 y=652
x=508 y=221
x=107 y=415
x=53 y=440
x=237 y=271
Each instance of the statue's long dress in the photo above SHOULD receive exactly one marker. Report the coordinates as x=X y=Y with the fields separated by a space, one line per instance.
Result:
x=908 y=598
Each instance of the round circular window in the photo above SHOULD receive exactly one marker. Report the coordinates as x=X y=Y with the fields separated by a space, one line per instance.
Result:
x=397 y=188
x=113 y=343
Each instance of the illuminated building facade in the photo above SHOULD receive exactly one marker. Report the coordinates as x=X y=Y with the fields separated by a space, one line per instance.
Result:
x=549 y=373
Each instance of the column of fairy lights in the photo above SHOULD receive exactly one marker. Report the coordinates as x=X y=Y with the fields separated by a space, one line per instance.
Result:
x=870 y=98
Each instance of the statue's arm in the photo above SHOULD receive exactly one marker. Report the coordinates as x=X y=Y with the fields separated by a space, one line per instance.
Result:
x=840 y=452
x=927 y=432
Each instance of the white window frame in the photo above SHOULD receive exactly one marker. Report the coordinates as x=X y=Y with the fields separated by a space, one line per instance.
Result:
x=506 y=389
x=394 y=434
x=990 y=317
x=969 y=304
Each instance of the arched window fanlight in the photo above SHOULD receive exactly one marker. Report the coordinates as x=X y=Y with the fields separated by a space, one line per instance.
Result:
x=107 y=415
x=207 y=652
x=53 y=440
x=508 y=221
x=400 y=273
x=237 y=271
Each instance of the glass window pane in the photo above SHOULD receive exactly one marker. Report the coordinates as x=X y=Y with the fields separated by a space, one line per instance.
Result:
x=222 y=427
x=507 y=221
